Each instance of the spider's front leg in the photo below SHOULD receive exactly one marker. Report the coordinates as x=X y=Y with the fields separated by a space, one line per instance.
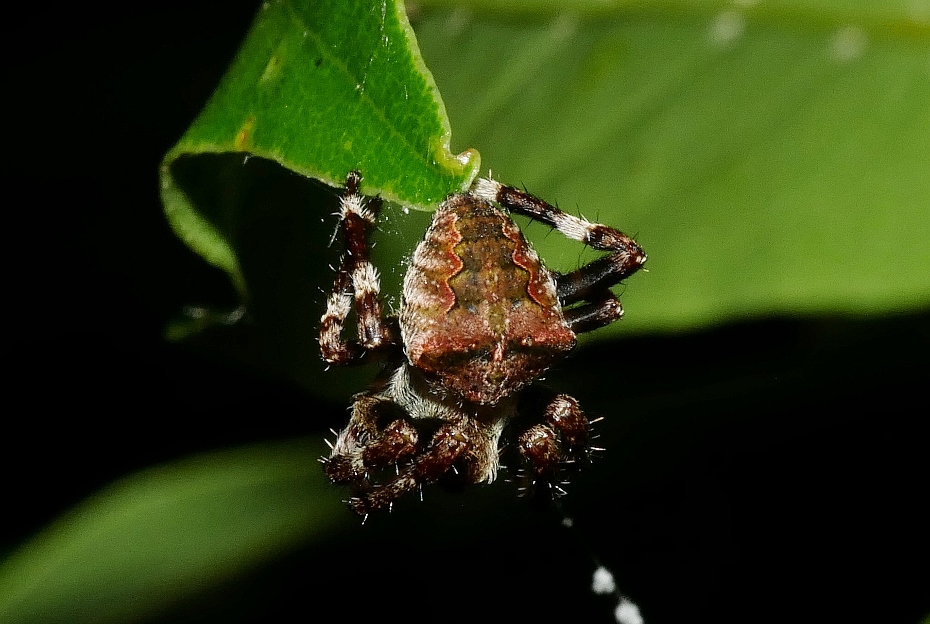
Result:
x=363 y=447
x=356 y=278
x=450 y=442
x=560 y=441
x=591 y=283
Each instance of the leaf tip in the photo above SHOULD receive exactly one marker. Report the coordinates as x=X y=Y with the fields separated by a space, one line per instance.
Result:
x=466 y=165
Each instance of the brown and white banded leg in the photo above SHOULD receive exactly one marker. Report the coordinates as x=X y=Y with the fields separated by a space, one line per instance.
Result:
x=589 y=284
x=363 y=447
x=450 y=443
x=562 y=437
x=357 y=282
x=554 y=447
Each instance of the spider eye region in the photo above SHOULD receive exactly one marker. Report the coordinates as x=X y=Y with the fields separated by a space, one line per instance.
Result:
x=498 y=325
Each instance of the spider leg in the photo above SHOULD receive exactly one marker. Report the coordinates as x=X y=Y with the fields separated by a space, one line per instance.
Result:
x=591 y=282
x=601 y=309
x=450 y=442
x=362 y=446
x=560 y=441
x=356 y=279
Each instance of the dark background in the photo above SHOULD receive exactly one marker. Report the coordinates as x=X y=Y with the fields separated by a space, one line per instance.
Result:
x=770 y=470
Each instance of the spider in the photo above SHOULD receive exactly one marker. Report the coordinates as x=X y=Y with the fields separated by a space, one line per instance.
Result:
x=480 y=319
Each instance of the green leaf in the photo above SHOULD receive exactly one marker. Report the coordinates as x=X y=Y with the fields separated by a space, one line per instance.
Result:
x=166 y=533
x=321 y=88
x=771 y=157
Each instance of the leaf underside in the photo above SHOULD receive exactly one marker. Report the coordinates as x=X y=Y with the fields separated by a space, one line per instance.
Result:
x=771 y=159
x=321 y=88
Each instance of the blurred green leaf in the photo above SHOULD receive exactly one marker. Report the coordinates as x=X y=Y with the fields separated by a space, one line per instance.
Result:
x=167 y=533
x=320 y=88
x=771 y=157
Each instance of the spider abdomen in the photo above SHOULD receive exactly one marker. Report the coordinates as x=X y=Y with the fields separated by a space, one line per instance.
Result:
x=480 y=319
x=480 y=316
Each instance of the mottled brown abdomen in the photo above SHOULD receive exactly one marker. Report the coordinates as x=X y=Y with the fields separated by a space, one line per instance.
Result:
x=479 y=315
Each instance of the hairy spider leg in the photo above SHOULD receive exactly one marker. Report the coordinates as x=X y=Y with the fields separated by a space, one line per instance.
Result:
x=450 y=442
x=358 y=279
x=559 y=442
x=591 y=283
x=462 y=437
x=362 y=446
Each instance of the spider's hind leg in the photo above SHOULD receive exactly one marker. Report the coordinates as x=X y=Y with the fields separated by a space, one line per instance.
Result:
x=357 y=284
x=589 y=284
x=449 y=443
x=555 y=447
x=600 y=310
x=364 y=445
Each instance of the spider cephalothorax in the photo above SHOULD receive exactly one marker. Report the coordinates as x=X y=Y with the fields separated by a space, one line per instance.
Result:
x=480 y=319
